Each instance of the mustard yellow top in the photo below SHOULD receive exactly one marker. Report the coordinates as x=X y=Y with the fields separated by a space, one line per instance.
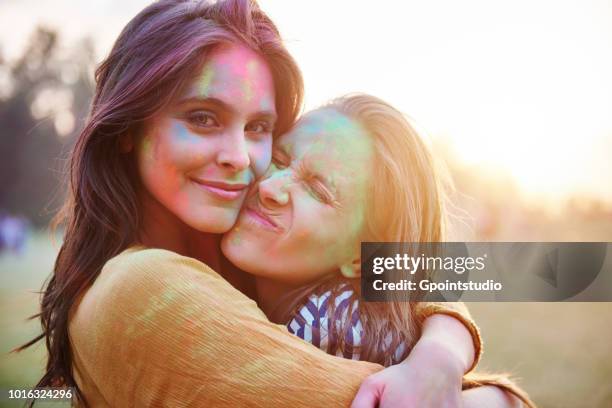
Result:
x=154 y=330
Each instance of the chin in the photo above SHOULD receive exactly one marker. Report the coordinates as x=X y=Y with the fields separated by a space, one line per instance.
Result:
x=240 y=253
x=232 y=247
x=214 y=222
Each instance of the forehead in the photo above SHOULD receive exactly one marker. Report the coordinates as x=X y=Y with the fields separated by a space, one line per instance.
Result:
x=327 y=133
x=334 y=147
x=236 y=75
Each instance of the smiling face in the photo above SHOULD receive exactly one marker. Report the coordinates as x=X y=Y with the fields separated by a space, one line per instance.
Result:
x=305 y=217
x=198 y=157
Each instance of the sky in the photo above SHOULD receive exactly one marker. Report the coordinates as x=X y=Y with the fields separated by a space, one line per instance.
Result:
x=522 y=87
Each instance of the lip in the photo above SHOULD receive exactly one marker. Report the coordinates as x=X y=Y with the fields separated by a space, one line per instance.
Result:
x=222 y=190
x=261 y=219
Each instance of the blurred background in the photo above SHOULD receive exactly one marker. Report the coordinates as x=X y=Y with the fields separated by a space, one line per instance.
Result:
x=514 y=97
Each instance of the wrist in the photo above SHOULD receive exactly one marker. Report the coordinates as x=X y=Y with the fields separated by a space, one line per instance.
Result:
x=448 y=336
x=440 y=356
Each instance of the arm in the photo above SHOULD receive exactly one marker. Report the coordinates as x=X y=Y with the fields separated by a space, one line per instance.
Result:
x=449 y=337
x=432 y=373
x=489 y=396
x=159 y=329
x=460 y=332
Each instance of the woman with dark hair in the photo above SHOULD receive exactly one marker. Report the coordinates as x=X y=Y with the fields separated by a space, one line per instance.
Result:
x=182 y=121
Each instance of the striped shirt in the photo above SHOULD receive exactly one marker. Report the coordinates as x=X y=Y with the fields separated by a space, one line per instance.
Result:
x=312 y=323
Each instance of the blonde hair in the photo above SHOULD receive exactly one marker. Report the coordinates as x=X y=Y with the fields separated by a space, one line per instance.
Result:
x=406 y=203
x=407 y=199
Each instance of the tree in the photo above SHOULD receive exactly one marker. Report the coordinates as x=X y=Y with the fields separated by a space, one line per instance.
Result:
x=48 y=90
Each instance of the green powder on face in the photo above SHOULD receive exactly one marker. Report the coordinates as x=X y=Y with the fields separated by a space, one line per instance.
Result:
x=205 y=81
x=247 y=90
x=265 y=104
x=237 y=177
x=247 y=84
x=236 y=237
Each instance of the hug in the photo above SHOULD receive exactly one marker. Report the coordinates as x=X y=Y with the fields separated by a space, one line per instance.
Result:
x=212 y=235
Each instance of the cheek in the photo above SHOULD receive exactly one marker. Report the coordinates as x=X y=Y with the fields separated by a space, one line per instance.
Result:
x=186 y=149
x=314 y=251
x=162 y=160
x=159 y=175
x=307 y=235
x=249 y=251
x=327 y=236
x=313 y=230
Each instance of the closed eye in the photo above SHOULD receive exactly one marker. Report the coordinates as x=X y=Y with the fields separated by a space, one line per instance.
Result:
x=320 y=192
x=280 y=158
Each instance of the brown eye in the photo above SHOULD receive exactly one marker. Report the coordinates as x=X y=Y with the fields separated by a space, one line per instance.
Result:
x=259 y=126
x=202 y=119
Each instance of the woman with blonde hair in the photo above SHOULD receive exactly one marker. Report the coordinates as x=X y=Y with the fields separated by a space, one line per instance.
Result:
x=352 y=171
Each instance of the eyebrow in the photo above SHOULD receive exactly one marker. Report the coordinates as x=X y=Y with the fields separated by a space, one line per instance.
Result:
x=226 y=107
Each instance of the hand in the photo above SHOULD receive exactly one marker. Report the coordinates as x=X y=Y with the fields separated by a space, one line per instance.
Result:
x=429 y=378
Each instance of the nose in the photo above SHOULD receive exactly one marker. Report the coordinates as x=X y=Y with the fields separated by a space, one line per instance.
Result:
x=272 y=190
x=234 y=152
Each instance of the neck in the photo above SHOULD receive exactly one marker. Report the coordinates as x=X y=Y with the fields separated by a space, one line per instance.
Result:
x=206 y=248
x=162 y=229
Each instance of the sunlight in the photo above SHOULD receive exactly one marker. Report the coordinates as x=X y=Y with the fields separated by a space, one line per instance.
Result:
x=521 y=86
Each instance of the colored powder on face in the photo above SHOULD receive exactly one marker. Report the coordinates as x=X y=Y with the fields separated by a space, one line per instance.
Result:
x=181 y=133
x=313 y=127
x=250 y=80
x=238 y=178
x=205 y=81
x=339 y=123
x=348 y=144
x=286 y=176
x=236 y=237
x=265 y=104
x=261 y=154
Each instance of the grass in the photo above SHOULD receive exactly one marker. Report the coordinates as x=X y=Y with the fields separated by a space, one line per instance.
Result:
x=559 y=351
x=21 y=276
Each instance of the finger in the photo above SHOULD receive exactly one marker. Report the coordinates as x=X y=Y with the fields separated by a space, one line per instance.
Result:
x=367 y=397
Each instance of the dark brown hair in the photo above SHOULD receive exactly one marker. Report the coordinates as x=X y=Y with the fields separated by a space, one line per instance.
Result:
x=155 y=56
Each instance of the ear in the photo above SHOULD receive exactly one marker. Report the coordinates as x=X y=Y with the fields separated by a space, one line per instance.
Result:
x=351 y=270
x=126 y=143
